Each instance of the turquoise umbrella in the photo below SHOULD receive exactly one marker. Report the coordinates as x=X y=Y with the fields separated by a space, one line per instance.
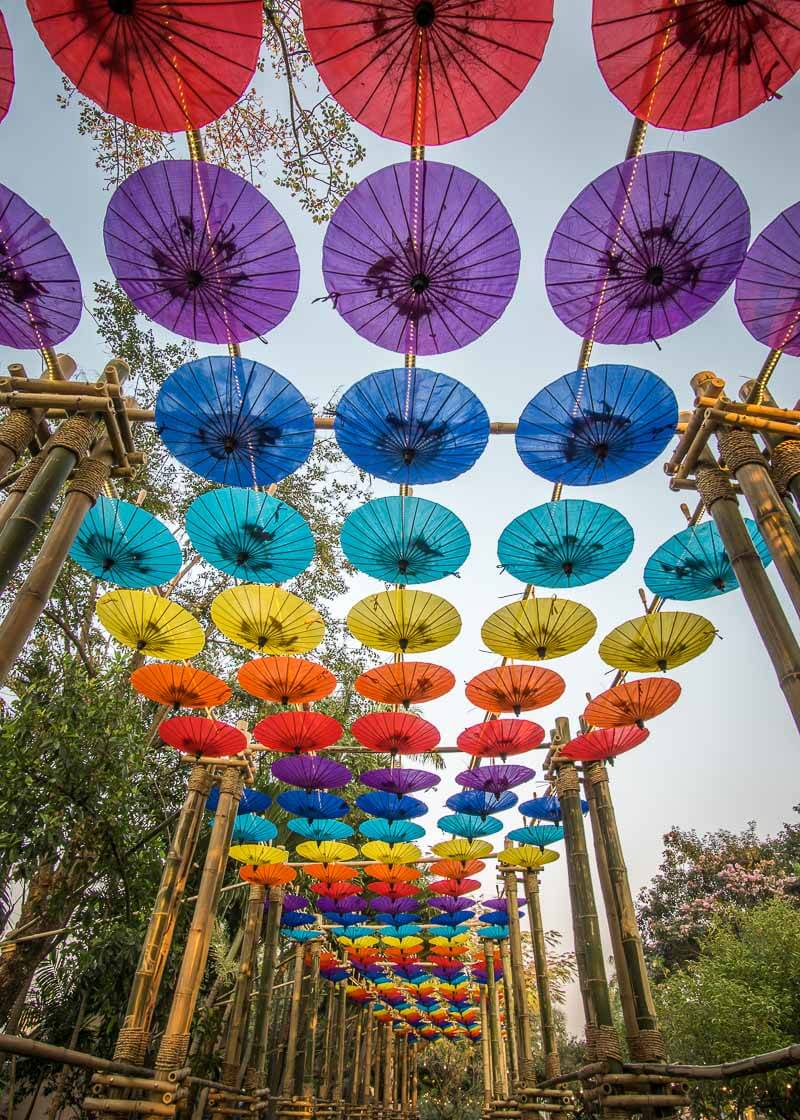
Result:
x=540 y=835
x=694 y=564
x=250 y=829
x=405 y=540
x=251 y=536
x=320 y=830
x=565 y=544
x=470 y=826
x=391 y=832
x=126 y=545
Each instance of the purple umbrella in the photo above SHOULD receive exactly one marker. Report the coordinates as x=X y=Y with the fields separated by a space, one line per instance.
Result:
x=495 y=779
x=768 y=286
x=292 y=902
x=449 y=905
x=311 y=772
x=40 y=293
x=201 y=251
x=647 y=248
x=382 y=905
x=399 y=781
x=421 y=258
x=347 y=904
x=501 y=903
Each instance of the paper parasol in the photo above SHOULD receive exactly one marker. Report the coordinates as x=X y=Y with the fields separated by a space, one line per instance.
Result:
x=399 y=781
x=392 y=873
x=6 y=69
x=124 y=544
x=405 y=683
x=404 y=621
x=527 y=856
x=395 y=733
x=469 y=826
x=312 y=804
x=319 y=830
x=391 y=806
x=390 y=853
x=404 y=540
x=565 y=544
x=251 y=801
x=335 y=873
x=40 y=293
x=286 y=680
x=180 y=686
x=605 y=743
x=267 y=619
x=495 y=779
x=462 y=849
x=480 y=802
x=547 y=808
x=426 y=73
x=411 y=426
x=201 y=736
x=421 y=258
x=150 y=624
x=540 y=835
x=768 y=284
x=165 y=67
x=297 y=732
x=268 y=875
x=695 y=65
x=632 y=702
x=596 y=425
x=394 y=889
x=454 y=887
x=656 y=642
x=515 y=688
x=693 y=564
x=538 y=629
x=250 y=829
x=329 y=851
x=457 y=868
x=391 y=832
x=499 y=738
x=310 y=773
x=201 y=252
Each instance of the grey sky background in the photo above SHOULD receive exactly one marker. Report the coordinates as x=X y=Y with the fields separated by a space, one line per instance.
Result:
x=727 y=752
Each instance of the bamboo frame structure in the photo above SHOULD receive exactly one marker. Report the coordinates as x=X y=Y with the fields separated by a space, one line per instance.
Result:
x=524 y=1030
x=263 y=1003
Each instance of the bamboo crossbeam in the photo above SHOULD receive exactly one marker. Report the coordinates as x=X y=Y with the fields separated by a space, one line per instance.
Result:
x=136 y=1108
x=30 y=1048
x=742 y=1067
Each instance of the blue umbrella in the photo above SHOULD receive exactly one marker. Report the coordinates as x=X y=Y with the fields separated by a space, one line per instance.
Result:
x=480 y=802
x=596 y=425
x=408 y=930
x=411 y=426
x=565 y=544
x=234 y=421
x=496 y=918
x=546 y=808
x=320 y=829
x=250 y=829
x=349 y=919
x=470 y=826
x=457 y=918
x=251 y=536
x=358 y=933
x=313 y=805
x=493 y=933
x=301 y=934
x=395 y=921
x=540 y=835
x=391 y=832
x=296 y=919
x=125 y=545
x=448 y=932
x=251 y=801
x=390 y=806
x=694 y=564
x=405 y=540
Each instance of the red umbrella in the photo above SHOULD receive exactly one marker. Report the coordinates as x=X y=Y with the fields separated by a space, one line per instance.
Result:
x=608 y=742
x=454 y=887
x=431 y=72
x=6 y=69
x=298 y=732
x=166 y=66
x=697 y=63
x=395 y=733
x=394 y=889
x=200 y=736
x=499 y=738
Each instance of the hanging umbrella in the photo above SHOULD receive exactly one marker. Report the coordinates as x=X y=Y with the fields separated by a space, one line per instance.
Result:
x=405 y=540
x=392 y=806
x=395 y=733
x=166 y=67
x=632 y=702
x=180 y=686
x=348 y=904
x=498 y=738
x=565 y=544
x=391 y=832
x=480 y=802
x=40 y=293
x=470 y=826
x=391 y=854
x=297 y=920
x=200 y=736
x=657 y=642
x=150 y=624
x=540 y=835
x=392 y=873
x=426 y=73
x=457 y=868
x=268 y=875
x=693 y=564
x=527 y=856
x=6 y=69
x=597 y=425
x=404 y=621
x=298 y=732
x=454 y=887
x=312 y=805
x=234 y=421
x=302 y=935
x=123 y=544
x=462 y=849
x=201 y=252
x=768 y=284
x=310 y=772
x=334 y=873
x=251 y=801
x=250 y=829
x=515 y=688
x=405 y=683
x=394 y=889
x=421 y=258
x=547 y=808
x=605 y=743
x=329 y=851
x=286 y=680
x=696 y=65
x=538 y=629
x=251 y=536
x=267 y=619
x=399 y=781
x=411 y=426
x=320 y=830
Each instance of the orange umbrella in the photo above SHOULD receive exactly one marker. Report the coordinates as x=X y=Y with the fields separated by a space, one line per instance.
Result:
x=515 y=688
x=331 y=872
x=180 y=686
x=268 y=874
x=457 y=868
x=405 y=682
x=632 y=702
x=392 y=873
x=286 y=680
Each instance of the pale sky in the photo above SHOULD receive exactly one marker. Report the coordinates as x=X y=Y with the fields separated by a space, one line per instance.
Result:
x=727 y=752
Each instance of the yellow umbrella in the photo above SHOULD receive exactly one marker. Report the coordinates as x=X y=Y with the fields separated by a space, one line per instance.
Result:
x=258 y=855
x=538 y=629
x=357 y=943
x=382 y=852
x=407 y=944
x=151 y=624
x=528 y=856
x=267 y=619
x=404 y=621
x=657 y=641
x=458 y=848
x=459 y=939
x=329 y=851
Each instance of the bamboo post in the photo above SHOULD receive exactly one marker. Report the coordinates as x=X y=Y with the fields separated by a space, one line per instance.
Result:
x=377 y=1072
x=520 y=987
x=486 y=1052
x=404 y=1076
x=512 y=1017
x=290 y=1062
x=388 y=1070
x=327 y=1045
x=312 y=1022
x=263 y=1007
x=19 y=428
x=415 y=1080
x=552 y=1063
x=237 y=1028
x=368 y=1037
x=302 y=1030
x=358 y=1065
x=341 y=1038
x=499 y=1082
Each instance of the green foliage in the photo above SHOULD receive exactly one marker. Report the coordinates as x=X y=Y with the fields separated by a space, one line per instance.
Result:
x=450 y=1080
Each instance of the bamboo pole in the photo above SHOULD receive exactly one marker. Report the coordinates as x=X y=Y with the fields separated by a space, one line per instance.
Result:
x=486 y=1051
x=20 y=427
x=312 y=1022
x=388 y=1070
x=326 y=1071
x=499 y=1082
x=341 y=1038
x=266 y=984
x=404 y=1076
x=290 y=1062
x=512 y=1020
x=357 y=1063
x=415 y=1081
x=520 y=987
x=552 y=1063
x=237 y=1026
x=368 y=1041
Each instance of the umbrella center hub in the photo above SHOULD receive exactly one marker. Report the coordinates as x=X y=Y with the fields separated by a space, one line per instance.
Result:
x=420 y=283
x=194 y=279
x=229 y=445
x=655 y=275
x=121 y=7
x=424 y=13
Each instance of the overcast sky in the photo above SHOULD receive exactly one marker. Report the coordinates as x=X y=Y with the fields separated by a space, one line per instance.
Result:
x=727 y=753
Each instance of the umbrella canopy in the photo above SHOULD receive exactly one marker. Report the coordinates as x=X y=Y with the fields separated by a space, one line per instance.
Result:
x=234 y=421
x=514 y=688
x=298 y=732
x=469 y=825
x=250 y=829
x=405 y=540
x=427 y=73
x=320 y=830
x=498 y=738
x=462 y=849
x=547 y=808
x=391 y=806
x=251 y=801
x=267 y=619
x=329 y=851
x=605 y=743
x=40 y=293
x=286 y=680
x=124 y=544
x=768 y=284
x=527 y=856
x=655 y=642
x=565 y=544
x=310 y=772
x=151 y=624
x=396 y=872
x=395 y=733
x=647 y=248
x=480 y=802
x=454 y=887
x=689 y=66
x=180 y=686
x=411 y=426
x=495 y=779
x=163 y=67
x=540 y=835
x=6 y=69
x=596 y=425
x=457 y=868
x=632 y=702
x=268 y=874
x=393 y=888
x=390 y=854
x=693 y=564
x=312 y=805
x=403 y=621
x=251 y=536
x=201 y=736
x=391 y=832
x=334 y=873
x=538 y=629
x=399 y=781
x=405 y=683
x=421 y=258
